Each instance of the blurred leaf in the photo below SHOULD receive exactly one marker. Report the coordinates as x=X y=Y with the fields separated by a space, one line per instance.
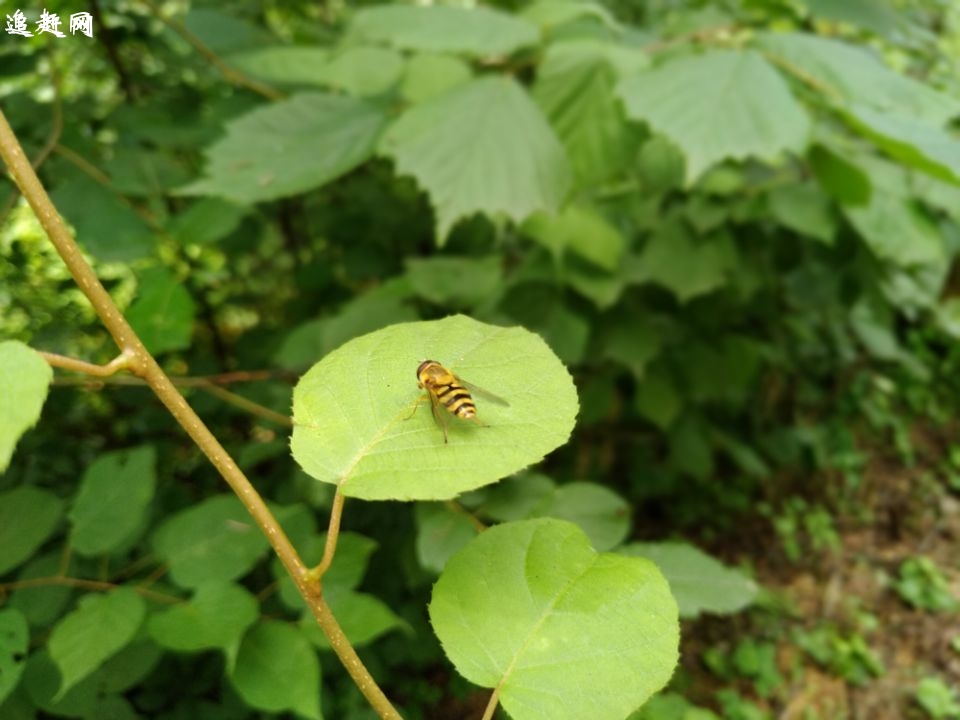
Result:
x=111 y=507
x=657 y=398
x=206 y=221
x=99 y=628
x=41 y=605
x=562 y=632
x=690 y=449
x=581 y=230
x=477 y=31
x=289 y=147
x=105 y=225
x=482 y=146
x=352 y=411
x=516 y=498
x=549 y=14
x=283 y=64
x=216 y=616
x=145 y=172
x=428 y=74
x=683 y=99
x=686 y=267
x=574 y=87
x=14 y=638
x=857 y=75
x=373 y=310
x=277 y=669
x=441 y=532
x=633 y=342
x=599 y=512
x=28 y=516
x=163 y=312
x=875 y=15
x=455 y=282
x=224 y=33
x=896 y=230
x=804 y=209
x=24 y=381
x=215 y=539
x=840 y=177
x=364 y=71
x=915 y=144
x=698 y=582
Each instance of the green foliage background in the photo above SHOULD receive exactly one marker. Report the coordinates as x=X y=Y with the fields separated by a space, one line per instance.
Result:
x=734 y=222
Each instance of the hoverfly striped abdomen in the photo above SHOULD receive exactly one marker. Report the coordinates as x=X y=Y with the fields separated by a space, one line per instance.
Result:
x=446 y=389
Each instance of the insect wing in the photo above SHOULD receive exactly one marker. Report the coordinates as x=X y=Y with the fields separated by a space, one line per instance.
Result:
x=485 y=394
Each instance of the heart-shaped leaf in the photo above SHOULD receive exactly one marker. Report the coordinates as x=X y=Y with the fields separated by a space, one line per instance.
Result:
x=361 y=422
x=561 y=631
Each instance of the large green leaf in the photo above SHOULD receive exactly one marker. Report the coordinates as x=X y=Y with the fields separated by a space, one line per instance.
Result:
x=215 y=617
x=111 y=507
x=719 y=105
x=896 y=230
x=277 y=669
x=562 y=632
x=575 y=85
x=100 y=627
x=14 y=637
x=477 y=31
x=361 y=422
x=290 y=147
x=28 y=516
x=482 y=146
x=283 y=64
x=212 y=540
x=913 y=143
x=698 y=582
x=24 y=380
x=163 y=312
x=857 y=76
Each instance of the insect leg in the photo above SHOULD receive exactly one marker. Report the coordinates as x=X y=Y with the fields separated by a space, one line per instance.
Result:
x=439 y=415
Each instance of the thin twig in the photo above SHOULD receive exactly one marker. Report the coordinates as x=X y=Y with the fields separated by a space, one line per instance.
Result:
x=86 y=585
x=333 y=534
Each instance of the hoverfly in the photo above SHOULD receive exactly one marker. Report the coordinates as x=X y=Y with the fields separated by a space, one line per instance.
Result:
x=446 y=389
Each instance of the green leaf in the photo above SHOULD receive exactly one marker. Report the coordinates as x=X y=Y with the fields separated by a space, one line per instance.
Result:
x=99 y=628
x=581 y=230
x=687 y=267
x=206 y=221
x=805 y=209
x=915 y=144
x=290 y=147
x=28 y=516
x=352 y=411
x=657 y=398
x=24 y=380
x=575 y=88
x=897 y=230
x=839 y=176
x=698 y=582
x=213 y=540
x=602 y=514
x=105 y=225
x=856 y=75
x=875 y=15
x=441 y=532
x=549 y=14
x=216 y=616
x=561 y=631
x=719 y=105
x=476 y=31
x=277 y=669
x=482 y=146
x=364 y=71
x=516 y=498
x=455 y=282
x=14 y=638
x=163 y=312
x=632 y=340
x=283 y=64
x=428 y=74
x=115 y=494
x=371 y=311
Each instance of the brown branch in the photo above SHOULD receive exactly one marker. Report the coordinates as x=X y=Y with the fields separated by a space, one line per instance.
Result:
x=143 y=364
x=85 y=584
